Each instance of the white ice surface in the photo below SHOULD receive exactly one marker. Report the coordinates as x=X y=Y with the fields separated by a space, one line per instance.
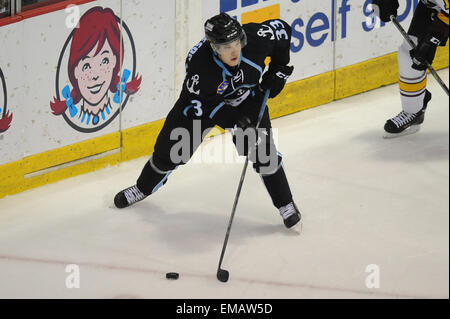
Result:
x=364 y=199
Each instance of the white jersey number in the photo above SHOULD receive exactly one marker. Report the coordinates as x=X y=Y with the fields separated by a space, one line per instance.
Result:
x=197 y=105
x=280 y=31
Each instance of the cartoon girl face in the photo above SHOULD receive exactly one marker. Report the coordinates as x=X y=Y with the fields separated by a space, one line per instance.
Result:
x=94 y=74
x=94 y=70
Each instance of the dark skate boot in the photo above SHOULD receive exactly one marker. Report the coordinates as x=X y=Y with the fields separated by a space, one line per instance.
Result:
x=128 y=197
x=291 y=215
x=406 y=123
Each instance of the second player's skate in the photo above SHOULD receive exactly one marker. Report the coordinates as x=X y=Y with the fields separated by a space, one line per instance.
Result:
x=406 y=123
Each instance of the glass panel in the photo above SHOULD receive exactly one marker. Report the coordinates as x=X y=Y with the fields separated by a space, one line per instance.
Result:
x=33 y=4
x=4 y=8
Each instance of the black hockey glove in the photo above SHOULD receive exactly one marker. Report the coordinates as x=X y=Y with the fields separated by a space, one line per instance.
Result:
x=386 y=8
x=427 y=45
x=275 y=79
x=244 y=123
x=424 y=53
x=245 y=143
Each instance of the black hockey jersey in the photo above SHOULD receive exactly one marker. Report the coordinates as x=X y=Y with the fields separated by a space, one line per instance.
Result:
x=211 y=88
x=440 y=6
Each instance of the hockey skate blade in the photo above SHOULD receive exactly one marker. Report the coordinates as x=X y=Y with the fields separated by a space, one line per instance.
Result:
x=410 y=130
x=297 y=229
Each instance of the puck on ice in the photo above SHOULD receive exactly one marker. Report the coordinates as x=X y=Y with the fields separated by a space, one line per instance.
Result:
x=172 y=275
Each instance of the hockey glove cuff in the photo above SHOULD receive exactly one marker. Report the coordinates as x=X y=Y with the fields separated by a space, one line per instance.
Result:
x=275 y=79
x=425 y=52
x=243 y=123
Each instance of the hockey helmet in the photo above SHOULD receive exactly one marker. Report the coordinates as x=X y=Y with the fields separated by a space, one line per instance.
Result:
x=223 y=29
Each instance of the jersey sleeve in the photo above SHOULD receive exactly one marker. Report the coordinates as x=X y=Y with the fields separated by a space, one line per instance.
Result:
x=443 y=14
x=275 y=35
x=438 y=28
x=441 y=6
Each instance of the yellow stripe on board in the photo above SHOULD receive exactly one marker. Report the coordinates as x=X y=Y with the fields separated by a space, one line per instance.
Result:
x=304 y=94
x=442 y=57
x=71 y=153
x=11 y=178
x=140 y=140
x=443 y=18
x=366 y=76
x=371 y=74
x=261 y=15
x=71 y=171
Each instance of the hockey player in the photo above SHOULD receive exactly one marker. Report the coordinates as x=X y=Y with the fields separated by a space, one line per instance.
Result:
x=222 y=87
x=428 y=30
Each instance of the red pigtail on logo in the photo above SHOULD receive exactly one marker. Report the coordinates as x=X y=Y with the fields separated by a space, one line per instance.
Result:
x=134 y=85
x=58 y=107
x=5 y=122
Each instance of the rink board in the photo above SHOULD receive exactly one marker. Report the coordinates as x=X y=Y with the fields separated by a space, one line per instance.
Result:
x=337 y=51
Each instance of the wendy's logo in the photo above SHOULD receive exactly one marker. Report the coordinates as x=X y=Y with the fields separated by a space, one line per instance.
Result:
x=89 y=95
x=5 y=115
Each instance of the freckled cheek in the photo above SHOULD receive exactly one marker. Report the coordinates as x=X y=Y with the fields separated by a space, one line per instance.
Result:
x=84 y=78
x=106 y=71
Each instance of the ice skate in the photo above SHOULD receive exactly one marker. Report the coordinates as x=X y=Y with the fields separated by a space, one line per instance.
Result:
x=406 y=123
x=128 y=196
x=291 y=215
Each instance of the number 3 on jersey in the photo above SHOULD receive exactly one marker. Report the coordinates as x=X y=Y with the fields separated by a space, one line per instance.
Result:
x=197 y=105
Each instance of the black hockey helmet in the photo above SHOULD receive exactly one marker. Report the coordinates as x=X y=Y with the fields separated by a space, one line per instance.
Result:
x=223 y=29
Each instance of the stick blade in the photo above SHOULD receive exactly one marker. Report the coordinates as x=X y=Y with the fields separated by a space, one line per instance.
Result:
x=223 y=275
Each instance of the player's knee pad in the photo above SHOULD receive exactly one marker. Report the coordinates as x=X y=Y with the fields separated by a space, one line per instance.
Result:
x=154 y=175
x=160 y=165
x=269 y=166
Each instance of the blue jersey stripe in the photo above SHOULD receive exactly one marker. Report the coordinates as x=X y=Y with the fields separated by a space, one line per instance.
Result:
x=216 y=109
x=220 y=63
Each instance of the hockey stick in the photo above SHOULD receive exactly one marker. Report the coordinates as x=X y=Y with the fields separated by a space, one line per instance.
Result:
x=411 y=43
x=223 y=274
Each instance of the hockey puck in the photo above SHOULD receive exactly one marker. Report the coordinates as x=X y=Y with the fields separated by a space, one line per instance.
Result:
x=172 y=275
